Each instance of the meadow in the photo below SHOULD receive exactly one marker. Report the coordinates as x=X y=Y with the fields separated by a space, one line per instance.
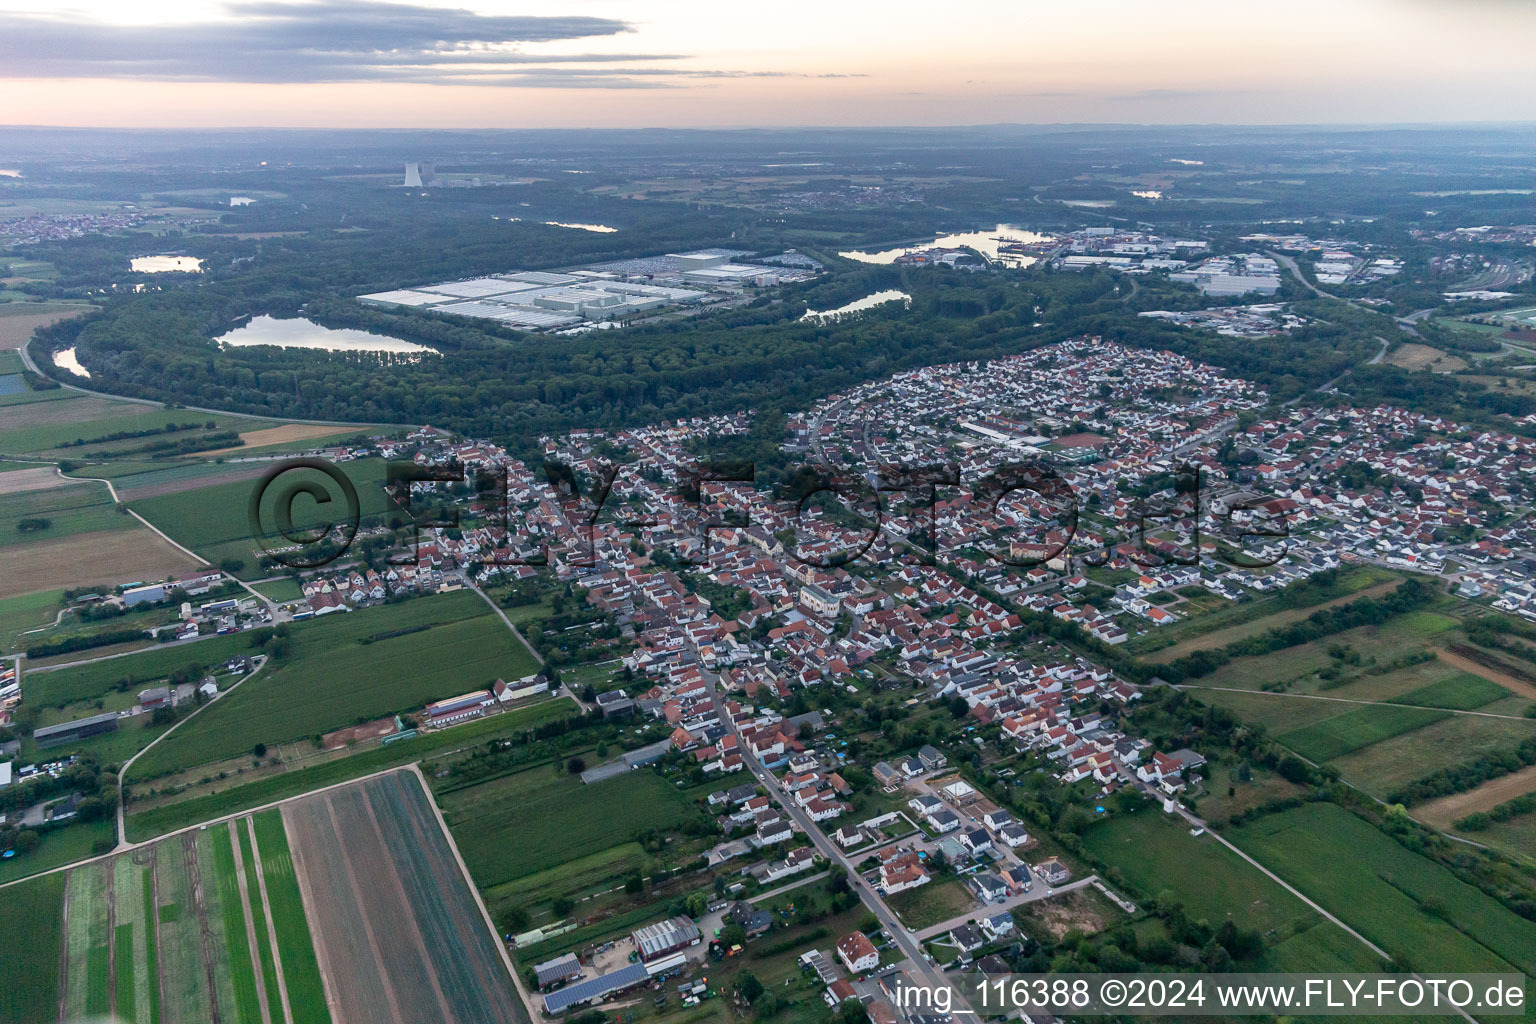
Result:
x=1156 y=856
x=337 y=675
x=536 y=819
x=1416 y=910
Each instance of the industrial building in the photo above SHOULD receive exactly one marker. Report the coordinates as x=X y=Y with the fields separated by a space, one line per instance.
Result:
x=605 y=293
x=458 y=709
x=79 y=729
x=594 y=989
x=658 y=943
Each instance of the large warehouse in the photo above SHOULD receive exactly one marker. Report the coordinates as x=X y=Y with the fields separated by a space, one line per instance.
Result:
x=537 y=300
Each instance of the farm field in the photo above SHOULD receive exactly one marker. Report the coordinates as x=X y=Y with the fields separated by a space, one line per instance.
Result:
x=68 y=509
x=1155 y=852
x=534 y=820
x=213 y=521
x=151 y=816
x=126 y=552
x=1382 y=704
x=19 y=320
x=398 y=933
x=1232 y=622
x=29 y=970
x=1442 y=811
x=1406 y=904
x=349 y=668
x=295 y=436
x=162 y=935
x=81 y=426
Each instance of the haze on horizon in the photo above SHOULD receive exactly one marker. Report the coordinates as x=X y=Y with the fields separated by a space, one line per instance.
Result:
x=685 y=63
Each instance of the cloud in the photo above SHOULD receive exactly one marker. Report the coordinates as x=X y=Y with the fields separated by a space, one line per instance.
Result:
x=322 y=41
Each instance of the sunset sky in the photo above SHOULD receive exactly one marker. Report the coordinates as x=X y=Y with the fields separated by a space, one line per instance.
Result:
x=510 y=64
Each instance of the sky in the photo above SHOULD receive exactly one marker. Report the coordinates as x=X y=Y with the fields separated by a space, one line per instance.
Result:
x=727 y=63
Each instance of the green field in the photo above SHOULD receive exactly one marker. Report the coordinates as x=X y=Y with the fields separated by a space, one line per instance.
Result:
x=29 y=970
x=535 y=819
x=1407 y=904
x=333 y=678
x=280 y=590
x=1357 y=728
x=301 y=973
x=26 y=612
x=45 y=434
x=69 y=510
x=1461 y=691
x=156 y=934
x=214 y=521
x=64 y=686
x=929 y=904
x=167 y=817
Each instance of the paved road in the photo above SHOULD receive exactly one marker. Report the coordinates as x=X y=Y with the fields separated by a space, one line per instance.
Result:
x=1038 y=891
x=122 y=773
x=923 y=970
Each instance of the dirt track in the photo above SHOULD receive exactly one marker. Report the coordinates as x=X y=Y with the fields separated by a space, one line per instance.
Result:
x=1441 y=811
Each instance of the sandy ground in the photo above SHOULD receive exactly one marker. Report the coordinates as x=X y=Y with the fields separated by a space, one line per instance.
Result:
x=40 y=479
x=1504 y=679
x=367 y=731
x=1441 y=811
x=104 y=556
x=1424 y=357
x=16 y=330
x=277 y=435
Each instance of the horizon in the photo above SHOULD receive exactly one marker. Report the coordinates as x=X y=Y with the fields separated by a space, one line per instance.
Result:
x=501 y=64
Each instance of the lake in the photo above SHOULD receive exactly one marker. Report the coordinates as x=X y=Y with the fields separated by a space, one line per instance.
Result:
x=987 y=242
x=65 y=359
x=297 y=332
x=167 y=264
x=858 y=305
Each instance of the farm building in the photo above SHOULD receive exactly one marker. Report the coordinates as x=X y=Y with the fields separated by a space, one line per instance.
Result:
x=562 y=968
x=657 y=942
x=80 y=728
x=593 y=989
x=458 y=709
